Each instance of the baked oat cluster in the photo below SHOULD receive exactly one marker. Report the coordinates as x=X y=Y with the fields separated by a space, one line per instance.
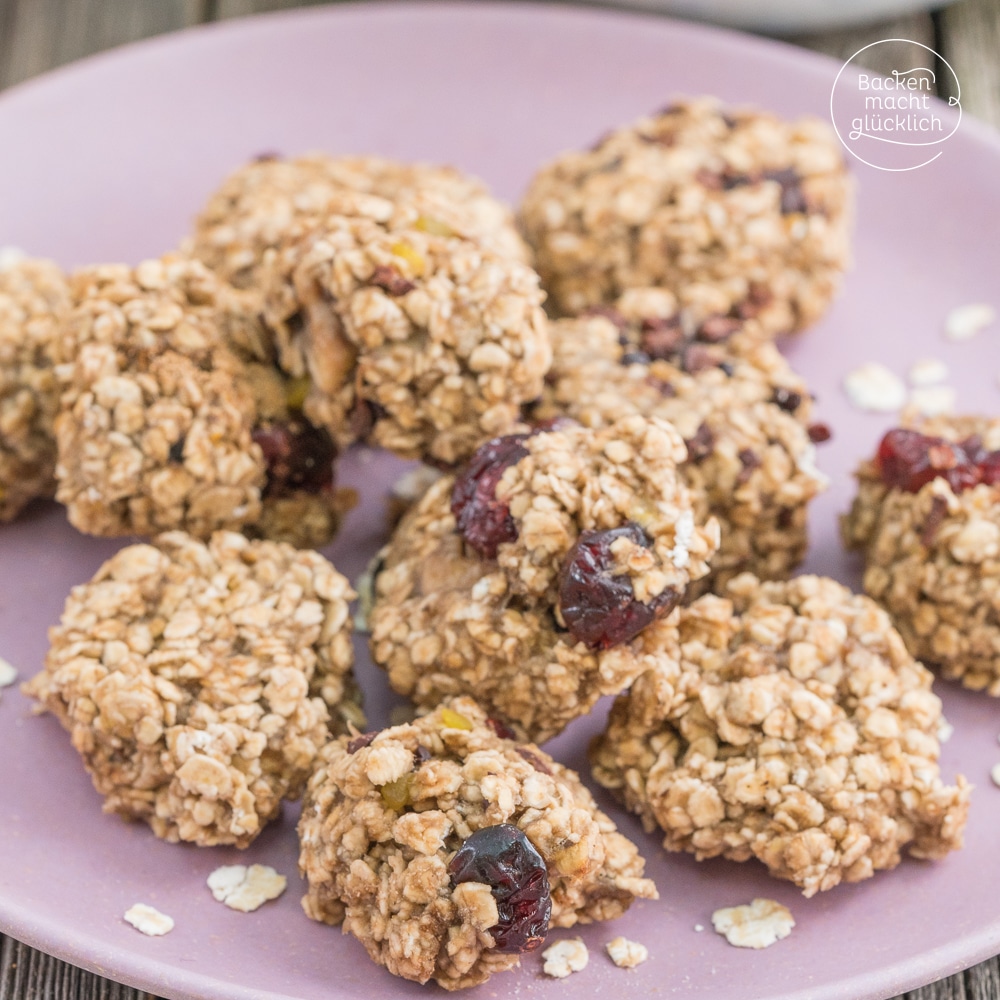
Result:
x=698 y=193
x=33 y=298
x=927 y=518
x=165 y=425
x=790 y=725
x=537 y=578
x=261 y=203
x=448 y=848
x=413 y=338
x=745 y=416
x=199 y=680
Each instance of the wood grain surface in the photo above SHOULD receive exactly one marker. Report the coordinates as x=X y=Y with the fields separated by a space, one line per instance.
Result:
x=37 y=35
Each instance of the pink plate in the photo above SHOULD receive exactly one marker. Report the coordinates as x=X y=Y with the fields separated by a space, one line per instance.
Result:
x=110 y=159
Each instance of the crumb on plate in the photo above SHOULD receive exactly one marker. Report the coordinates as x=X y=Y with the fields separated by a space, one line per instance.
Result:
x=148 y=920
x=246 y=888
x=626 y=954
x=564 y=957
x=758 y=924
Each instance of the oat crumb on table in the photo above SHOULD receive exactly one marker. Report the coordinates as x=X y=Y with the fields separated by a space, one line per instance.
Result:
x=874 y=387
x=758 y=924
x=246 y=888
x=7 y=674
x=964 y=322
x=565 y=957
x=148 y=920
x=626 y=954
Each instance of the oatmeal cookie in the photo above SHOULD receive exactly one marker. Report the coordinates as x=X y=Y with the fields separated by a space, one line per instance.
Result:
x=539 y=578
x=33 y=298
x=927 y=518
x=422 y=343
x=791 y=726
x=744 y=414
x=447 y=849
x=199 y=680
x=260 y=203
x=165 y=422
x=733 y=198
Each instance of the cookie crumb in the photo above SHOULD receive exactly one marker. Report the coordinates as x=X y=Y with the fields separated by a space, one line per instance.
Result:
x=945 y=730
x=995 y=774
x=933 y=400
x=7 y=674
x=699 y=927
x=964 y=322
x=246 y=889
x=564 y=957
x=626 y=954
x=927 y=371
x=874 y=387
x=148 y=920
x=9 y=256
x=755 y=925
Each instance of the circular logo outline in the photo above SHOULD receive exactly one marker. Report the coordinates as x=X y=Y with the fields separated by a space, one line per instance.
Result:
x=955 y=101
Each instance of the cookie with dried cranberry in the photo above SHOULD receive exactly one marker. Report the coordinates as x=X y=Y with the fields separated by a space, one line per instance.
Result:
x=199 y=680
x=744 y=414
x=790 y=725
x=448 y=849
x=260 y=203
x=539 y=577
x=729 y=197
x=927 y=518
x=415 y=340
x=33 y=298
x=165 y=421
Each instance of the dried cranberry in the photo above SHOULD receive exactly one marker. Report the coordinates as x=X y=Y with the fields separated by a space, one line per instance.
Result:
x=935 y=518
x=598 y=606
x=534 y=760
x=359 y=742
x=176 y=453
x=483 y=520
x=503 y=858
x=989 y=468
x=716 y=329
x=299 y=457
x=500 y=728
x=793 y=198
x=661 y=338
x=386 y=277
x=702 y=444
x=609 y=313
x=818 y=433
x=908 y=460
x=749 y=461
x=787 y=399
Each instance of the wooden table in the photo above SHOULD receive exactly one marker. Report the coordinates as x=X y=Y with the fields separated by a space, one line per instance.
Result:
x=36 y=35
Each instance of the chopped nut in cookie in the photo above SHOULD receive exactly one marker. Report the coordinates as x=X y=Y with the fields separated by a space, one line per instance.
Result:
x=758 y=924
x=198 y=680
x=148 y=920
x=565 y=957
x=448 y=850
